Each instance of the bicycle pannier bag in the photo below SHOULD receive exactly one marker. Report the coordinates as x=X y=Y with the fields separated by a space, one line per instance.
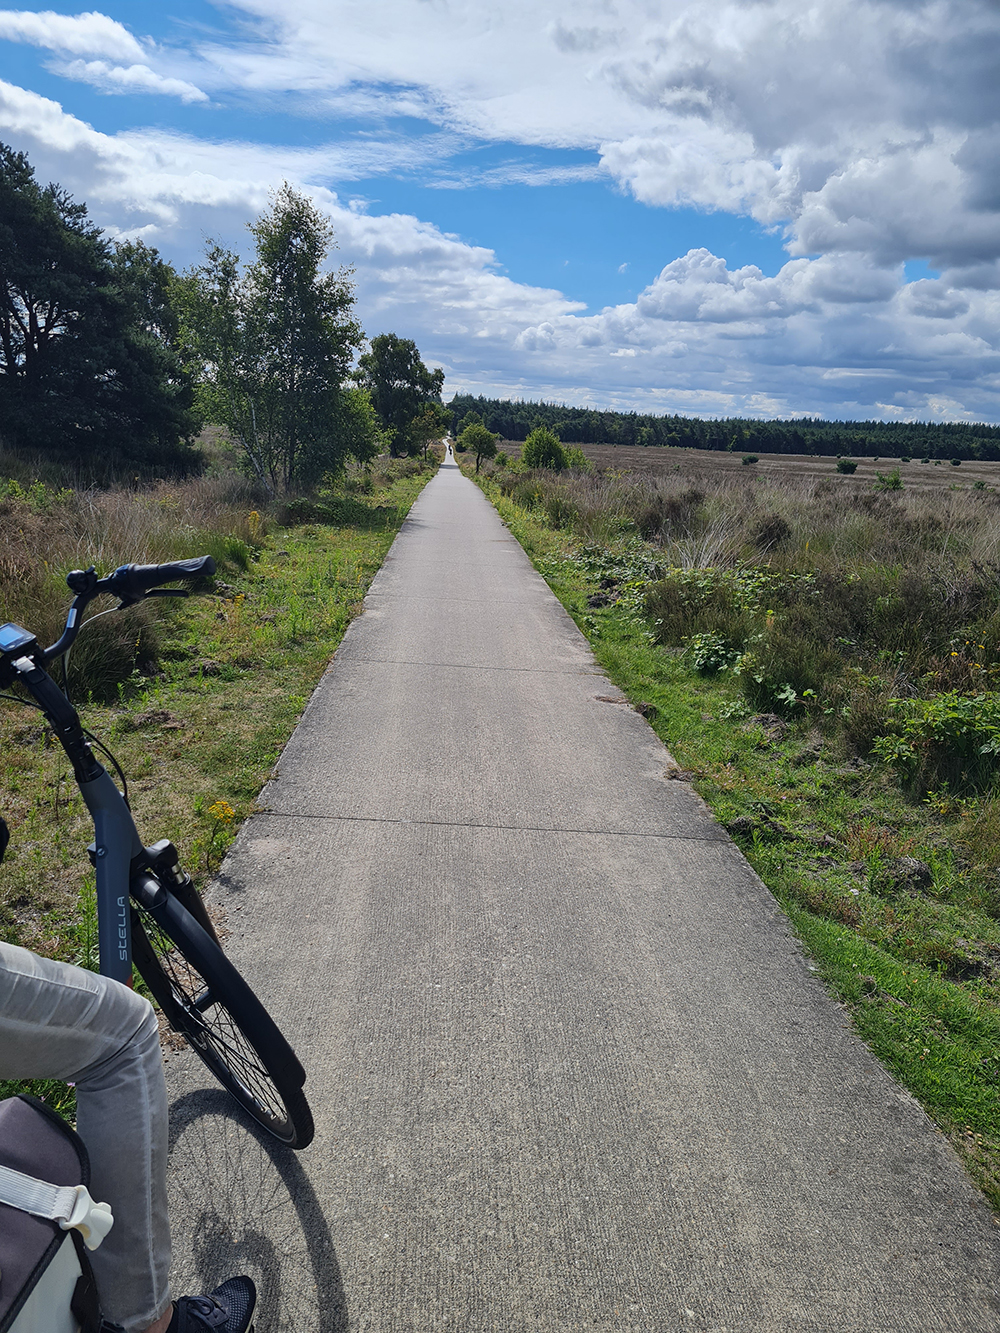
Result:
x=46 y=1283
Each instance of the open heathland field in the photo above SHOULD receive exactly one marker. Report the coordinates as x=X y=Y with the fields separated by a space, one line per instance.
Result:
x=709 y=463
x=821 y=654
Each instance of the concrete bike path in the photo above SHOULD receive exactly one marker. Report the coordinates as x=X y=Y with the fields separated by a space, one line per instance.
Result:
x=569 y=1068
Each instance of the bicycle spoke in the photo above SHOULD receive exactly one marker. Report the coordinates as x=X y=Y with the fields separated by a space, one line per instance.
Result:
x=211 y=1028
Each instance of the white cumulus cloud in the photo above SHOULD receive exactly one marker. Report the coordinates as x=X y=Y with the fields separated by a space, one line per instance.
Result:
x=90 y=34
x=130 y=79
x=109 y=43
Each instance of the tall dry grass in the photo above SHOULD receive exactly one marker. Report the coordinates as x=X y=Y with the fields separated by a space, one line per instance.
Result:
x=702 y=519
x=45 y=533
x=830 y=597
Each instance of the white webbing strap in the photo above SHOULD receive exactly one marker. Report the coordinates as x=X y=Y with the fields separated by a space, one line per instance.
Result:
x=69 y=1205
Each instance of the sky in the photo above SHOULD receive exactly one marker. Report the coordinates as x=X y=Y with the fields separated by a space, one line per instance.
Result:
x=763 y=208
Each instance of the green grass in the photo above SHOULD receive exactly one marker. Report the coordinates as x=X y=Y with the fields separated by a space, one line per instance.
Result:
x=917 y=966
x=198 y=736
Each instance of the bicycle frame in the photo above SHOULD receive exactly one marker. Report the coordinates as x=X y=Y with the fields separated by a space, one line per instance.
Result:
x=116 y=848
x=117 y=845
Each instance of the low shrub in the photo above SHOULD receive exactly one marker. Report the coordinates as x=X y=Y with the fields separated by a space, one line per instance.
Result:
x=888 y=481
x=303 y=509
x=802 y=631
x=543 y=449
x=659 y=514
x=683 y=605
x=846 y=465
x=863 y=710
x=526 y=491
x=783 y=672
x=772 y=530
x=949 y=740
x=576 y=459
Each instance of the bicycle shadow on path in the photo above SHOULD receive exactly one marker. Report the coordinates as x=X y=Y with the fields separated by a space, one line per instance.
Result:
x=242 y=1203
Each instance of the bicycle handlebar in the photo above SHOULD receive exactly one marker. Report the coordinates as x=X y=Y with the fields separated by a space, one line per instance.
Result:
x=131 y=583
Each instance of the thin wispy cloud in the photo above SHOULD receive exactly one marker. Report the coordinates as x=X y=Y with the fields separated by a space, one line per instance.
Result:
x=515 y=173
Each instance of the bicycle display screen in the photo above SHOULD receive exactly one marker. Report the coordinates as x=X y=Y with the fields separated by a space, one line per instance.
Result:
x=13 y=637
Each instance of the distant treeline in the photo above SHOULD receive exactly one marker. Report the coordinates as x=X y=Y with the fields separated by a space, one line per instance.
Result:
x=863 y=439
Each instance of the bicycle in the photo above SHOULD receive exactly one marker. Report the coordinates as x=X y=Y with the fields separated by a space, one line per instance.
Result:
x=149 y=912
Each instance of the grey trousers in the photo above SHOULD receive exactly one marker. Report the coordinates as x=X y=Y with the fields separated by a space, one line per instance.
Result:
x=58 y=1021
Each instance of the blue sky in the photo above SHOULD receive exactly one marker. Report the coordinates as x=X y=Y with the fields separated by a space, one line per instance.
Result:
x=714 y=207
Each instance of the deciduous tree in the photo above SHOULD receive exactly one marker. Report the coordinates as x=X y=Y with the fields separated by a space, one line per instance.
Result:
x=401 y=387
x=276 y=345
x=479 y=441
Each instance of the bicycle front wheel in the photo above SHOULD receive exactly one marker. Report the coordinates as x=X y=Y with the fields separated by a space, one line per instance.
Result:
x=204 y=998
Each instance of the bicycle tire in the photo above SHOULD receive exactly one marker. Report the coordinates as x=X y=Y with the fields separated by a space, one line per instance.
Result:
x=205 y=999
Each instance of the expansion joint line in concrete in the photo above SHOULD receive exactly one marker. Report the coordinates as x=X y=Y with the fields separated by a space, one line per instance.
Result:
x=464 y=666
x=498 y=828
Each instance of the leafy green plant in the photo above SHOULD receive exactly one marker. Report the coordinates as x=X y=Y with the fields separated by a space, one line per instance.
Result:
x=782 y=672
x=846 y=465
x=948 y=740
x=710 y=652
x=37 y=496
x=750 y=459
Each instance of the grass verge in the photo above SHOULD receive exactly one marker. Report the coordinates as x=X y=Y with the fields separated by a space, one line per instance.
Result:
x=880 y=886
x=198 y=735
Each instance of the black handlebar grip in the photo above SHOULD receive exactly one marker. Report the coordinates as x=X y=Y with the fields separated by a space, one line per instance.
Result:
x=130 y=582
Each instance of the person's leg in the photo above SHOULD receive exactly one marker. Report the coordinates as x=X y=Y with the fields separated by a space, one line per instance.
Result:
x=58 y=1021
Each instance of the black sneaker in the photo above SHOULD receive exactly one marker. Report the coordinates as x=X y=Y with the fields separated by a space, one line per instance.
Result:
x=228 y=1309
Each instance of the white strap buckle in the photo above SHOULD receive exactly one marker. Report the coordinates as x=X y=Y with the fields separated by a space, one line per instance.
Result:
x=92 y=1220
x=69 y=1205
